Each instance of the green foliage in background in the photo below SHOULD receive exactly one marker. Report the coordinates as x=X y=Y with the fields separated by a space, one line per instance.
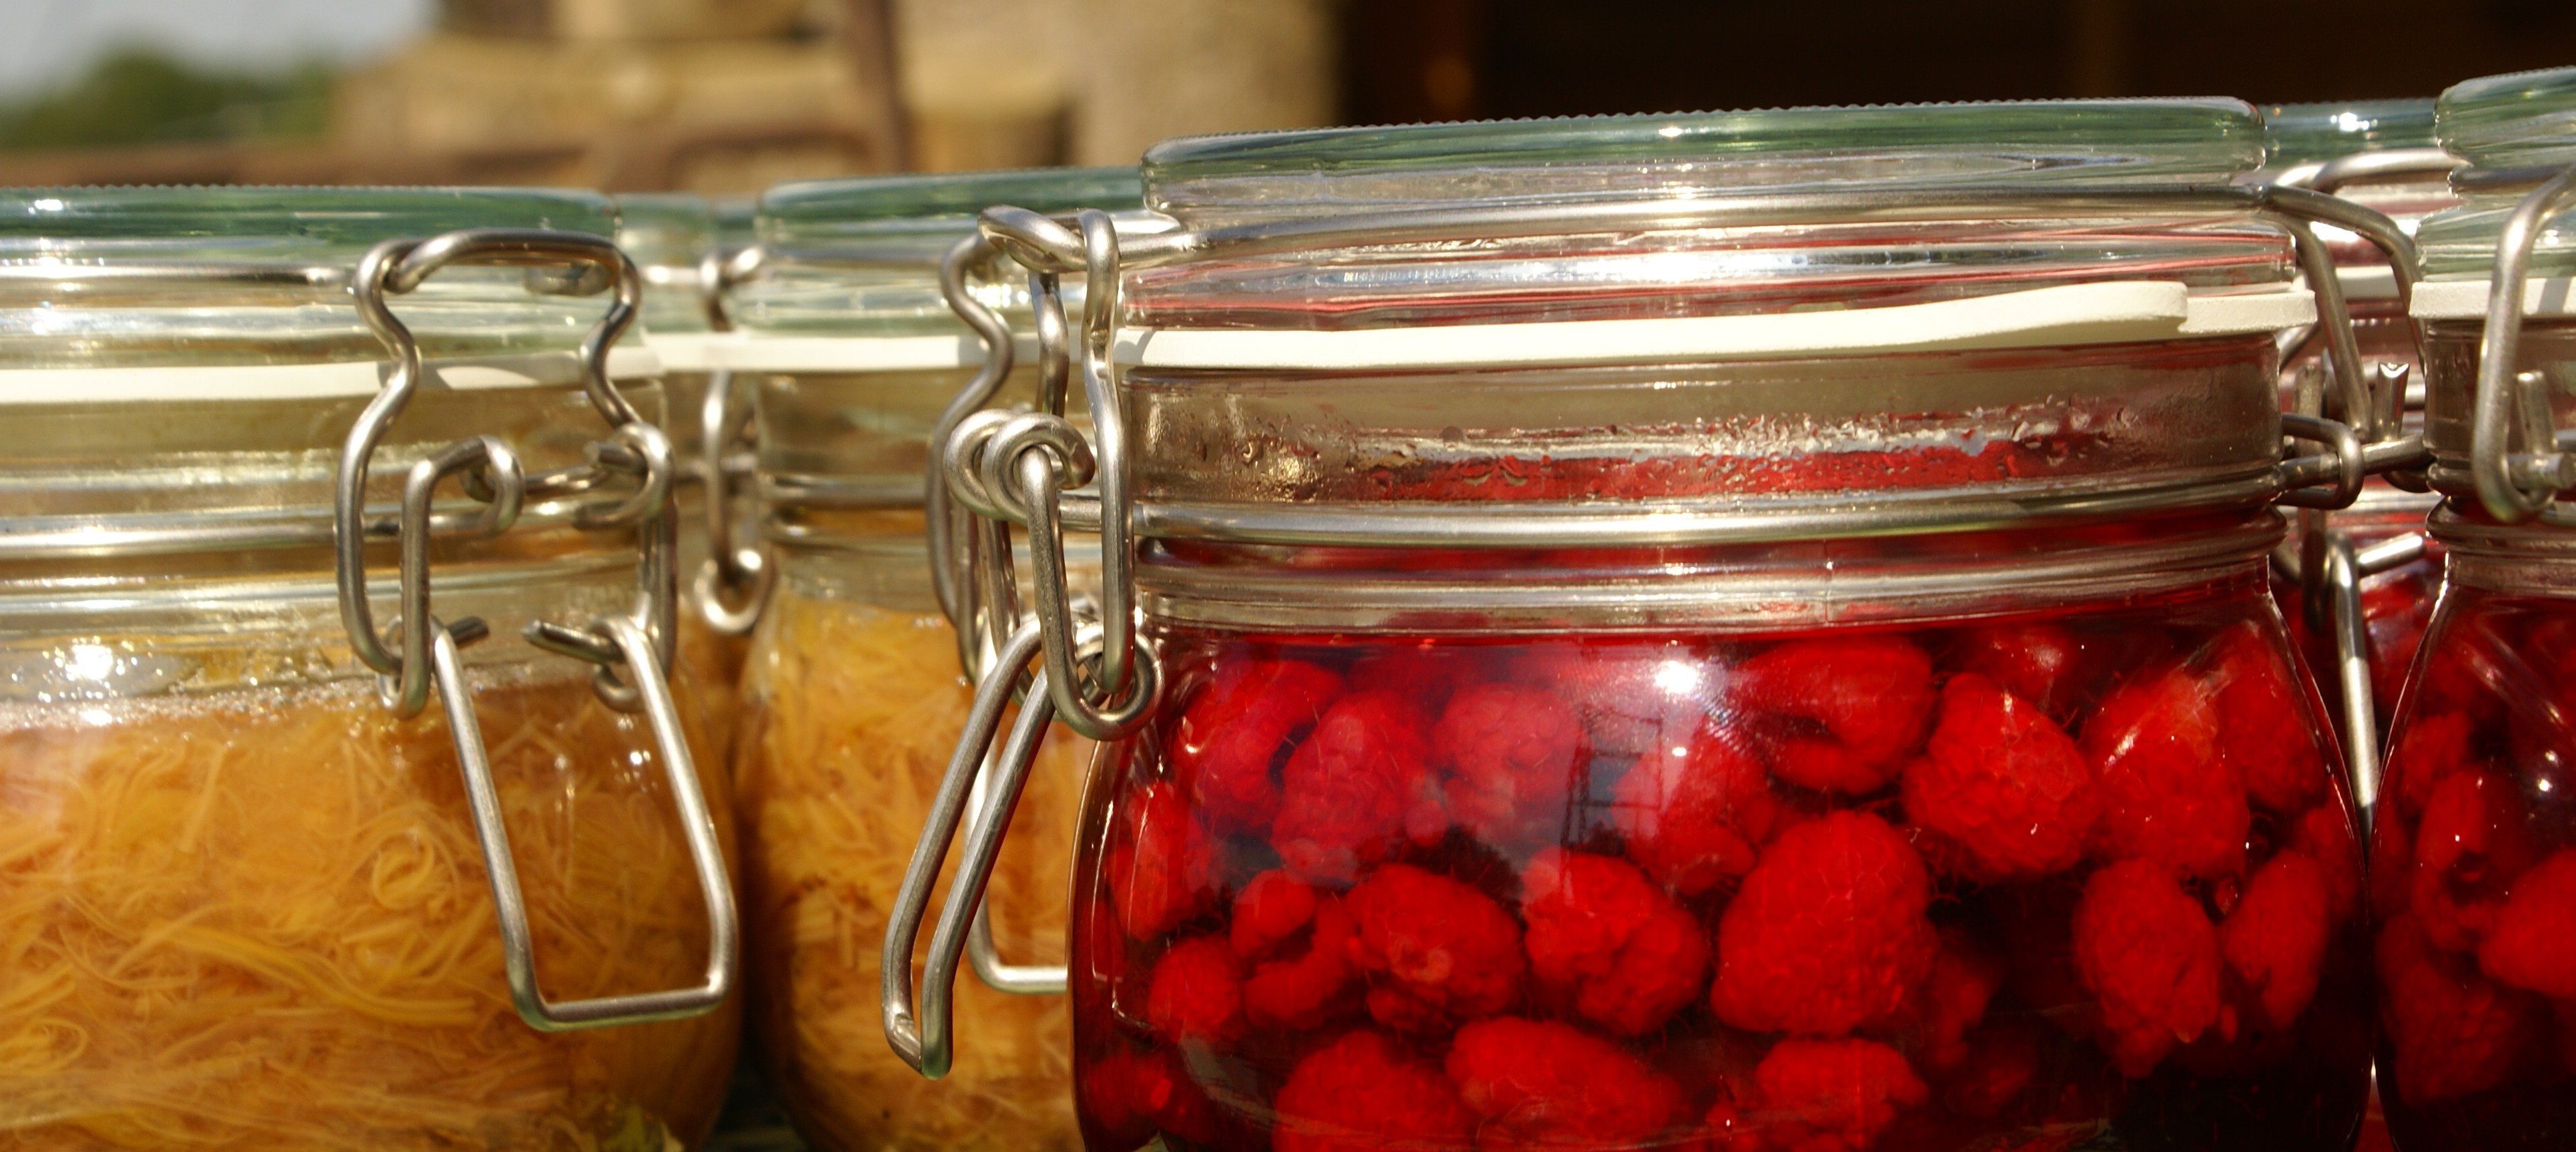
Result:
x=139 y=96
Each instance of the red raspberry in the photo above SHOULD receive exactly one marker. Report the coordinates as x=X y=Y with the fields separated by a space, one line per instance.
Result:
x=2263 y=721
x=1364 y=1093
x=2451 y=1031
x=1508 y=757
x=1425 y=670
x=1231 y=738
x=1604 y=938
x=1197 y=993
x=2468 y=850
x=1132 y=1095
x=1633 y=697
x=1951 y=1001
x=2533 y=945
x=1542 y=1084
x=1348 y=792
x=1871 y=694
x=1829 y=931
x=2275 y=940
x=2168 y=795
x=2036 y=662
x=1272 y=907
x=1162 y=867
x=1998 y=1067
x=1833 y=1095
x=1295 y=990
x=2000 y=789
x=2148 y=954
x=2324 y=835
x=2430 y=750
x=1436 y=951
x=1693 y=815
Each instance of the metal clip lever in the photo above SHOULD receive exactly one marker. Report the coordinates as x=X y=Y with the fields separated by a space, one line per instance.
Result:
x=2345 y=569
x=922 y=1035
x=724 y=948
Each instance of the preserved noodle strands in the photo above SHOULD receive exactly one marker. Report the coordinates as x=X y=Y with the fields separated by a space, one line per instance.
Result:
x=851 y=712
x=260 y=920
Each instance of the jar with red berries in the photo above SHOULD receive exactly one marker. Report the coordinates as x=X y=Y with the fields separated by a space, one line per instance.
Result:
x=1728 y=631
x=2373 y=556
x=2474 y=847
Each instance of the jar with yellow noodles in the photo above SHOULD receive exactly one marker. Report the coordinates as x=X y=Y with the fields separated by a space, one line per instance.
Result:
x=854 y=694
x=678 y=243
x=288 y=867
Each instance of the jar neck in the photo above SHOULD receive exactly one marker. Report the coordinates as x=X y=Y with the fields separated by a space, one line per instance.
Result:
x=1767 y=586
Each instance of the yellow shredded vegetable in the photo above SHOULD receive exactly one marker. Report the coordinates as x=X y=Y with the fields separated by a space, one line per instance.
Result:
x=850 y=714
x=712 y=662
x=259 y=919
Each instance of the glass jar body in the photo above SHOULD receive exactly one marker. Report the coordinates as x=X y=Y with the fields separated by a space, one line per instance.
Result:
x=2469 y=847
x=853 y=705
x=249 y=903
x=2085 y=870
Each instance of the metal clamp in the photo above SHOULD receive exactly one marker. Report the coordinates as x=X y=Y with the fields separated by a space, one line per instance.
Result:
x=921 y=1032
x=2515 y=457
x=732 y=585
x=419 y=652
x=697 y=824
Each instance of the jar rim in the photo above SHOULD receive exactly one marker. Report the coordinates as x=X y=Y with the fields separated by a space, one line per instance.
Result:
x=2296 y=134
x=2511 y=120
x=810 y=212
x=266 y=222
x=1329 y=170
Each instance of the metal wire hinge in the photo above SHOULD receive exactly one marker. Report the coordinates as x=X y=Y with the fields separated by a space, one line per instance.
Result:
x=416 y=653
x=2517 y=458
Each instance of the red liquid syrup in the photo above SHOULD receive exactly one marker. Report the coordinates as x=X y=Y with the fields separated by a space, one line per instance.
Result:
x=2083 y=879
x=2473 y=888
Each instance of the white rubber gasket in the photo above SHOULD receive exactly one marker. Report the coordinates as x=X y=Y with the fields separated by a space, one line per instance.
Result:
x=2367 y=282
x=2118 y=312
x=305 y=381
x=2467 y=299
x=688 y=351
x=756 y=353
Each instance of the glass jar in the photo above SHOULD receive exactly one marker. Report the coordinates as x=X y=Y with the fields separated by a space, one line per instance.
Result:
x=251 y=887
x=2379 y=154
x=1733 y=631
x=2471 y=840
x=671 y=237
x=854 y=694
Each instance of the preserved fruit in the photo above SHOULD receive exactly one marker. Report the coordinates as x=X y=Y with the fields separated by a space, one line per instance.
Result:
x=2475 y=888
x=1859 y=891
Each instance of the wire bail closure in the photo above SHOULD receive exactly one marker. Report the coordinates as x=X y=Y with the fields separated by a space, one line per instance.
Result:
x=632 y=654
x=732 y=586
x=2516 y=458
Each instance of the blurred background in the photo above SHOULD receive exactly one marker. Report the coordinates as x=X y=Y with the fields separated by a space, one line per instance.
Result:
x=730 y=96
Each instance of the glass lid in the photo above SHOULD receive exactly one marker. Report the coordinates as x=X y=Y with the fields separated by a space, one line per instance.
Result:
x=2512 y=130
x=1838 y=255
x=196 y=277
x=666 y=234
x=1231 y=178
x=860 y=257
x=2298 y=134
